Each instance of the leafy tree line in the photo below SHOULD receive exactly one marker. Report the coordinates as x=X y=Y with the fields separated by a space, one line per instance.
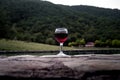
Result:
x=97 y=43
x=36 y=20
x=107 y=43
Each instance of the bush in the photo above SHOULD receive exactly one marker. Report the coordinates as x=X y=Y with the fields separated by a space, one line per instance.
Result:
x=50 y=41
x=107 y=43
x=115 y=43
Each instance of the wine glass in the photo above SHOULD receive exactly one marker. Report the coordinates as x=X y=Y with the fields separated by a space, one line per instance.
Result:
x=61 y=35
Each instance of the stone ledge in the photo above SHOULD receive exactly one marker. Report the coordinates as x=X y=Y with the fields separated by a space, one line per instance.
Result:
x=83 y=67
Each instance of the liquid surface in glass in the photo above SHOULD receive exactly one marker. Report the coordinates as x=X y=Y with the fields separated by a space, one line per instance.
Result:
x=61 y=37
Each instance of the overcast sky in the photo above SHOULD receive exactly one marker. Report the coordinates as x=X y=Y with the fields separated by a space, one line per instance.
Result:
x=99 y=3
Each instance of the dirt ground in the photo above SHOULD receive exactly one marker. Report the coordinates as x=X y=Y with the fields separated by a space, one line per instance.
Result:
x=81 y=67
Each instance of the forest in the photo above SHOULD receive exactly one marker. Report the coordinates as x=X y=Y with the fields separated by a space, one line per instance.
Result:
x=36 y=20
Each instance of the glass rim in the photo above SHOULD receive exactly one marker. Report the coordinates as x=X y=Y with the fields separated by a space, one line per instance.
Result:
x=61 y=28
x=58 y=29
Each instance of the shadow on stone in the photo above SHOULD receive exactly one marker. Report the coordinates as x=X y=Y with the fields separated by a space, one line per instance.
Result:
x=102 y=75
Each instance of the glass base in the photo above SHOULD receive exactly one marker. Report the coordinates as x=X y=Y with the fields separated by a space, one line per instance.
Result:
x=62 y=54
x=59 y=55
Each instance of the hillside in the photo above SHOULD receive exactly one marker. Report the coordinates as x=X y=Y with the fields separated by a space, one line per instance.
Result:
x=35 y=20
x=14 y=45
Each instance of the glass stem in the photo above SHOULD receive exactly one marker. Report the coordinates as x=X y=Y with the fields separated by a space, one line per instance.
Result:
x=61 y=46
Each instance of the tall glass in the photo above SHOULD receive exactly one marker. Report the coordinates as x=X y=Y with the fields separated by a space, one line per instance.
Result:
x=61 y=35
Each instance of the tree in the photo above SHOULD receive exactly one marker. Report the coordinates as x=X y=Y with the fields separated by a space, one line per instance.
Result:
x=80 y=42
x=108 y=43
x=115 y=43
x=97 y=43
x=50 y=41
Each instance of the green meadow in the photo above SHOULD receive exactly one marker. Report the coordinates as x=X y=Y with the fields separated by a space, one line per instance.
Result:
x=15 y=45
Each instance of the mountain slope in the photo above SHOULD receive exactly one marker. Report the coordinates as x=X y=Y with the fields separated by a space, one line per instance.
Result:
x=97 y=11
x=35 y=20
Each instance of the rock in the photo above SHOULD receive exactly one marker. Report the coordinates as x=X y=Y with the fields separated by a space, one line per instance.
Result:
x=83 y=67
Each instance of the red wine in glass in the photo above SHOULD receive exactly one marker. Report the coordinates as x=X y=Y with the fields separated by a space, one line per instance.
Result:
x=61 y=35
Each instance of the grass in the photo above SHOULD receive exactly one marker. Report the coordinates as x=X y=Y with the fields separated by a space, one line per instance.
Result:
x=16 y=45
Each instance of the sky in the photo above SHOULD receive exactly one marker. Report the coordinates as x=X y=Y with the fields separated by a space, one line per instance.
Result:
x=113 y=4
